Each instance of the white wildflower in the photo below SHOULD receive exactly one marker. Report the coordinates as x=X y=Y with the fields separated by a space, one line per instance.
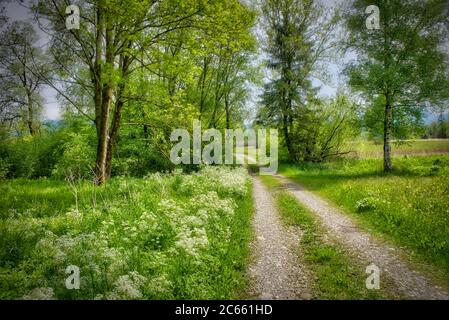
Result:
x=40 y=294
x=170 y=208
x=127 y=287
x=159 y=284
x=191 y=240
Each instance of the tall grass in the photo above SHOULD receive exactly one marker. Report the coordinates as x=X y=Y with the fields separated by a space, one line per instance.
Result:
x=409 y=206
x=167 y=236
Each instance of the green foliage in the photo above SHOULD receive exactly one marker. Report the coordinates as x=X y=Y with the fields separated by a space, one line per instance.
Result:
x=409 y=206
x=4 y=168
x=171 y=236
x=322 y=130
x=402 y=60
x=22 y=73
x=408 y=121
x=31 y=156
x=336 y=123
x=76 y=161
x=365 y=204
x=154 y=65
x=439 y=130
x=401 y=68
x=293 y=53
x=136 y=156
x=67 y=149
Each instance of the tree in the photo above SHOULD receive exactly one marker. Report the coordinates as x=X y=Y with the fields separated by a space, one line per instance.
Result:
x=337 y=123
x=124 y=43
x=440 y=108
x=408 y=121
x=400 y=65
x=298 y=37
x=224 y=59
x=106 y=48
x=201 y=72
x=438 y=129
x=22 y=67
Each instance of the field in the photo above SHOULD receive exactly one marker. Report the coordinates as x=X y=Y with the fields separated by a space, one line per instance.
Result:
x=167 y=236
x=409 y=206
x=369 y=149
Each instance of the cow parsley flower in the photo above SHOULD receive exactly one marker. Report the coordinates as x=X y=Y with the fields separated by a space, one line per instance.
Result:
x=127 y=287
x=191 y=240
x=40 y=294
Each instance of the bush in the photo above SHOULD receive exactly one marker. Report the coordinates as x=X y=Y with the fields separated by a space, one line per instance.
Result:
x=4 y=168
x=58 y=150
x=30 y=156
x=365 y=204
x=77 y=159
x=137 y=157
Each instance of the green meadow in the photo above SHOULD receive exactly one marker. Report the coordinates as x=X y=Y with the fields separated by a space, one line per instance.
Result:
x=166 y=236
x=409 y=206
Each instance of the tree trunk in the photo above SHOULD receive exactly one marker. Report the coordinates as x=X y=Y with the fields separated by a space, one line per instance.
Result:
x=288 y=141
x=388 y=120
x=30 y=115
x=201 y=84
x=228 y=115
x=113 y=136
x=103 y=138
x=115 y=125
x=287 y=119
x=102 y=121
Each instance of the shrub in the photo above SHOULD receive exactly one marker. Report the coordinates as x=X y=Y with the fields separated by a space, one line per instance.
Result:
x=4 y=168
x=365 y=204
x=77 y=158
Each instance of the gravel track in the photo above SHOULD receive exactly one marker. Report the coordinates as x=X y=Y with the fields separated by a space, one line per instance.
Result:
x=276 y=271
x=408 y=282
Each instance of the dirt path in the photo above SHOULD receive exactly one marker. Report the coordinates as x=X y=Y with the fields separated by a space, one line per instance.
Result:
x=276 y=272
x=408 y=282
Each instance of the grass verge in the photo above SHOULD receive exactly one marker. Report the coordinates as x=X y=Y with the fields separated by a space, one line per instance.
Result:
x=409 y=207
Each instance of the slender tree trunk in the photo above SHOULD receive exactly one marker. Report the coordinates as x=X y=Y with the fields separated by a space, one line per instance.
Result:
x=388 y=120
x=388 y=116
x=103 y=130
x=30 y=120
x=30 y=115
x=108 y=165
x=96 y=80
x=288 y=141
x=202 y=82
x=115 y=125
x=103 y=138
x=287 y=121
x=96 y=70
x=228 y=116
x=113 y=136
